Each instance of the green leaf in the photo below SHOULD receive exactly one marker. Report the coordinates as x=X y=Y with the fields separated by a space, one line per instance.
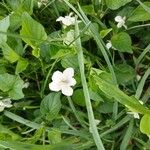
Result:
x=122 y=42
x=7 y=134
x=36 y=52
x=12 y=84
x=14 y=145
x=88 y=9
x=20 y=6
x=16 y=45
x=4 y=24
x=51 y=105
x=124 y=73
x=70 y=61
x=145 y=124
x=15 y=21
x=78 y=97
x=21 y=65
x=37 y=135
x=140 y=14
x=54 y=136
x=63 y=52
x=114 y=92
x=9 y=53
x=115 y=4
x=106 y=107
x=103 y=33
x=33 y=32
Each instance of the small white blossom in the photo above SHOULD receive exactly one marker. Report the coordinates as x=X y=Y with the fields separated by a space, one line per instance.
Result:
x=62 y=81
x=121 y=21
x=5 y=103
x=67 y=20
x=135 y=114
x=109 y=45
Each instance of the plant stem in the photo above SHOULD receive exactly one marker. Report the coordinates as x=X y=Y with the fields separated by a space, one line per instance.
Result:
x=139 y=26
x=75 y=112
x=47 y=76
x=94 y=130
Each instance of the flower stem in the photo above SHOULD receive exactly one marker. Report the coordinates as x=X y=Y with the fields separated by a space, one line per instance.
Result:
x=94 y=130
x=76 y=113
x=47 y=76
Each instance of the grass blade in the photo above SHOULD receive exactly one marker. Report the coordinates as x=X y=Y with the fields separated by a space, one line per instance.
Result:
x=94 y=130
x=141 y=84
x=139 y=59
x=127 y=136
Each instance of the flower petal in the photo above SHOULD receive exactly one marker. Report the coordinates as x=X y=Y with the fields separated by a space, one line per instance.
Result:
x=108 y=45
x=72 y=82
x=66 y=90
x=118 y=18
x=136 y=115
x=54 y=87
x=7 y=102
x=67 y=21
x=120 y=24
x=1 y=108
x=60 y=19
x=57 y=76
x=69 y=72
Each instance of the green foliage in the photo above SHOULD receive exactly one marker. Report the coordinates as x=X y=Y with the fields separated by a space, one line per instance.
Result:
x=50 y=106
x=140 y=14
x=115 y=4
x=7 y=134
x=109 y=81
x=20 y=6
x=122 y=42
x=32 y=32
x=124 y=73
x=114 y=92
x=54 y=136
x=24 y=146
x=4 y=24
x=105 y=32
x=145 y=124
x=78 y=97
x=12 y=85
x=21 y=65
x=9 y=53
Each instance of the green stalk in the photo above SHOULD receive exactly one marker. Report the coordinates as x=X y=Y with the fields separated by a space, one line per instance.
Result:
x=76 y=113
x=47 y=77
x=141 y=84
x=94 y=130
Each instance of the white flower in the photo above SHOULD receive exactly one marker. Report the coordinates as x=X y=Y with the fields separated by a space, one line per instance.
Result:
x=121 y=21
x=135 y=114
x=5 y=103
x=109 y=45
x=67 y=20
x=62 y=81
